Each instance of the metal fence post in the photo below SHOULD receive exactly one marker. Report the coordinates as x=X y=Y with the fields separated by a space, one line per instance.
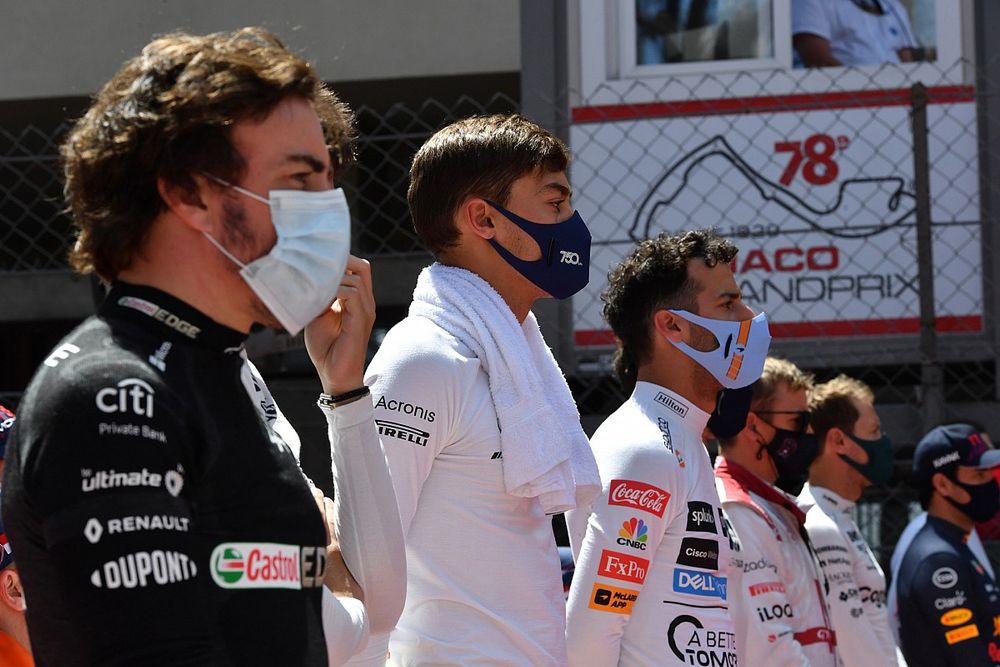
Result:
x=545 y=100
x=931 y=377
x=987 y=21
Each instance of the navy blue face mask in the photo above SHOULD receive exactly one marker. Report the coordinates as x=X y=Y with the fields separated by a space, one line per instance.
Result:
x=564 y=268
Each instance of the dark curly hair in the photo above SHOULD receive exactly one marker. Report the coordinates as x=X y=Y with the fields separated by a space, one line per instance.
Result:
x=169 y=113
x=654 y=276
x=480 y=156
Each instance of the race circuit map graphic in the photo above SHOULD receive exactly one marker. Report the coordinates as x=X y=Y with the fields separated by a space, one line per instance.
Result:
x=883 y=202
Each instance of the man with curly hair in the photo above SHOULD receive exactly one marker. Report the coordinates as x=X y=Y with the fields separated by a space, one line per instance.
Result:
x=159 y=518
x=653 y=549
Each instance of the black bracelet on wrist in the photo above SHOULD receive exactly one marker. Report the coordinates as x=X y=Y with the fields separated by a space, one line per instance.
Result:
x=328 y=401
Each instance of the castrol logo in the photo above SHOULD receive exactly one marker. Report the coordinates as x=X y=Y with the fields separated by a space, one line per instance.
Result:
x=639 y=495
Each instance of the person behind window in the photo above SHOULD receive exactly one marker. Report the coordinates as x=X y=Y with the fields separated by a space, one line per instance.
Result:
x=852 y=33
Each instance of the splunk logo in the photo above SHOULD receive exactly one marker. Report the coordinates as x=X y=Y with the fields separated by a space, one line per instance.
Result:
x=633 y=534
x=266 y=565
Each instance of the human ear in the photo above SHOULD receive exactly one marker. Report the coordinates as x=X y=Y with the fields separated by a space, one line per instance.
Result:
x=11 y=591
x=474 y=216
x=835 y=439
x=669 y=326
x=188 y=204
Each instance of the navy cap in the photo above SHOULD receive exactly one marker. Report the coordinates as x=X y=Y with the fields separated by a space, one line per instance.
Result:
x=6 y=424
x=944 y=448
x=6 y=555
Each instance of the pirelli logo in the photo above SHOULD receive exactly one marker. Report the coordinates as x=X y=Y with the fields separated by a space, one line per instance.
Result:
x=405 y=432
x=962 y=633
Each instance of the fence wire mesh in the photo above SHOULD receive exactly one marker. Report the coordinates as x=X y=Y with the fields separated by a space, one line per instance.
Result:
x=812 y=175
x=815 y=176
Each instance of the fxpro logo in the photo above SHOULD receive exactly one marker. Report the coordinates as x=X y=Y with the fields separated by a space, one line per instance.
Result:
x=267 y=565
x=129 y=395
x=623 y=566
x=633 y=533
x=571 y=258
x=699 y=583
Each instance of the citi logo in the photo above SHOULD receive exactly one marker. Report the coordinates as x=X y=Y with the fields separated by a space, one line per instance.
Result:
x=129 y=395
x=633 y=534
x=571 y=258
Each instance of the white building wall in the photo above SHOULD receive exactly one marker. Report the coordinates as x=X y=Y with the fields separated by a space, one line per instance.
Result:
x=70 y=47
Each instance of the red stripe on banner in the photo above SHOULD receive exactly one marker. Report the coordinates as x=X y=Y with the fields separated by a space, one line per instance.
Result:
x=900 y=325
x=799 y=102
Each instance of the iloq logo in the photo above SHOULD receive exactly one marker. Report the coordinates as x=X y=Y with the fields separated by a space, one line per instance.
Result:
x=639 y=495
x=944 y=577
x=265 y=565
x=633 y=534
x=572 y=258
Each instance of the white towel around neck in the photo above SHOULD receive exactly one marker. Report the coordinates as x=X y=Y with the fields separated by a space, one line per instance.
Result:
x=546 y=454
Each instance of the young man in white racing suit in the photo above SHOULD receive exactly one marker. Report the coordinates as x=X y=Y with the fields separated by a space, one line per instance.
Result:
x=854 y=454
x=652 y=551
x=776 y=592
x=481 y=433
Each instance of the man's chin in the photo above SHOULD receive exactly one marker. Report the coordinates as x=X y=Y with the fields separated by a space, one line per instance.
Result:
x=263 y=316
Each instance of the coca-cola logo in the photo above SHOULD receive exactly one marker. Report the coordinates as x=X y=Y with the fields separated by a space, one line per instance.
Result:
x=646 y=497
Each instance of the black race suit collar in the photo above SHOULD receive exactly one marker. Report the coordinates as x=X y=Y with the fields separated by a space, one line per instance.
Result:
x=154 y=309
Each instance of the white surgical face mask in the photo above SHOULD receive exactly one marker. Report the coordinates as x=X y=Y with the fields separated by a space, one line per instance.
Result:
x=743 y=345
x=300 y=276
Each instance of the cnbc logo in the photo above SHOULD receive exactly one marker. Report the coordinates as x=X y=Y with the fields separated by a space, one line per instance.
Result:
x=633 y=534
x=267 y=565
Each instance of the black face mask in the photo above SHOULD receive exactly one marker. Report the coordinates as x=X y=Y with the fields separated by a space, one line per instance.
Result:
x=792 y=452
x=730 y=414
x=984 y=500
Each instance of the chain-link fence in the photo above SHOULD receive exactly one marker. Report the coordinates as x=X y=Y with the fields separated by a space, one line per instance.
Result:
x=859 y=204
x=866 y=241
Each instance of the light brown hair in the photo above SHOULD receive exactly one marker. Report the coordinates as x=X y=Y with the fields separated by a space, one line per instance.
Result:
x=831 y=404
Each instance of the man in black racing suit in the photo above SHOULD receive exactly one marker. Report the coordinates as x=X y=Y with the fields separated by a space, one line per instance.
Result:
x=157 y=519
x=949 y=605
